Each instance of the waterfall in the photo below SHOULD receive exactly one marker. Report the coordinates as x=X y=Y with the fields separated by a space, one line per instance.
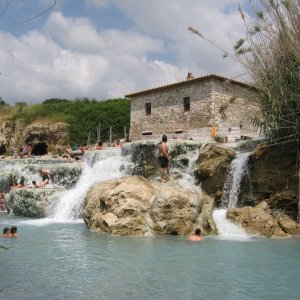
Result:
x=96 y=167
x=187 y=182
x=238 y=168
x=232 y=185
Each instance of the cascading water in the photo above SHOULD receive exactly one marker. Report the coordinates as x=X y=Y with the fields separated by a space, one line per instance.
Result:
x=238 y=168
x=96 y=167
x=187 y=182
x=26 y=170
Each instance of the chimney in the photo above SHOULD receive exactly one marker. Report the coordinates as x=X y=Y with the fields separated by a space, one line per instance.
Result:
x=189 y=76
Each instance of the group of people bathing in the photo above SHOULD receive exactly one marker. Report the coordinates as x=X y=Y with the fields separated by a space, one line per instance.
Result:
x=11 y=232
x=77 y=152
x=44 y=173
x=117 y=144
x=165 y=165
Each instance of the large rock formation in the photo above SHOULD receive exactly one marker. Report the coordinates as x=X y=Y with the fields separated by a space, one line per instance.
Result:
x=145 y=155
x=135 y=206
x=261 y=220
x=30 y=202
x=43 y=137
x=212 y=169
x=179 y=212
x=51 y=135
x=273 y=170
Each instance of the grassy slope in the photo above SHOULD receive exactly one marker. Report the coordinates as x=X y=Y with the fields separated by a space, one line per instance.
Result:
x=83 y=115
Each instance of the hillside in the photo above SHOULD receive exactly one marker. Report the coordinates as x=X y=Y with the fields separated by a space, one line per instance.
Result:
x=82 y=115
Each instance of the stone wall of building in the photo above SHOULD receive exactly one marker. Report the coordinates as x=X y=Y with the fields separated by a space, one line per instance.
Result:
x=167 y=109
x=239 y=112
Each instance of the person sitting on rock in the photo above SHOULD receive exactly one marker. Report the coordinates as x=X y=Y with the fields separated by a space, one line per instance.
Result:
x=68 y=153
x=44 y=173
x=197 y=236
x=16 y=185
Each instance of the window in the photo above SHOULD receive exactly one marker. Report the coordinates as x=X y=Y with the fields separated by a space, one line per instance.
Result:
x=186 y=103
x=148 y=108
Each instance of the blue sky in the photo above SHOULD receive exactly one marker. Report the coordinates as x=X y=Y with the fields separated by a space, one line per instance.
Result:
x=108 y=48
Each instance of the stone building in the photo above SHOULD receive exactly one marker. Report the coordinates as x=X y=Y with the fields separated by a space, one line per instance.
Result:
x=193 y=109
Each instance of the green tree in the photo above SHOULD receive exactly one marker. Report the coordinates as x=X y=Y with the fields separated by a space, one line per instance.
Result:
x=3 y=103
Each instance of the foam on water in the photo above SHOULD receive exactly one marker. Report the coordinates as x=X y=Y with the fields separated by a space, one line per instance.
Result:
x=227 y=229
x=45 y=221
x=69 y=206
x=187 y=182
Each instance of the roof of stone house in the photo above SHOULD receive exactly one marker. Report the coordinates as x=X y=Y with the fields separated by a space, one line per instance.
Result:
x=190 y=81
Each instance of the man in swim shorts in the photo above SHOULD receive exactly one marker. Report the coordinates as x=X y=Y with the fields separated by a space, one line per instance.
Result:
x=164 y=158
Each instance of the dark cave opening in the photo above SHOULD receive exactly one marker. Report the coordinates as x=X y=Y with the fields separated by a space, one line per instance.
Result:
x=2 y=149
x=40 y=149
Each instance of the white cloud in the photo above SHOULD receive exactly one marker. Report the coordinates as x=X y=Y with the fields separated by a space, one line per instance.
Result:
x=217 y=20
x=79 y=34
x=71 y=57
x=83 y=63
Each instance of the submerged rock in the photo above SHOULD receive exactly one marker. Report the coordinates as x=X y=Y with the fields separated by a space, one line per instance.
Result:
x=135 y=206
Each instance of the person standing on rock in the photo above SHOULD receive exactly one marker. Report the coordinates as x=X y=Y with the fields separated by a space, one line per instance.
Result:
x=29 y=150
x=15 y=152
x=164 y=159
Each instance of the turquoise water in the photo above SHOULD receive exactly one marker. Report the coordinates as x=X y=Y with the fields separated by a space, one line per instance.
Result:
x=67 y=261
